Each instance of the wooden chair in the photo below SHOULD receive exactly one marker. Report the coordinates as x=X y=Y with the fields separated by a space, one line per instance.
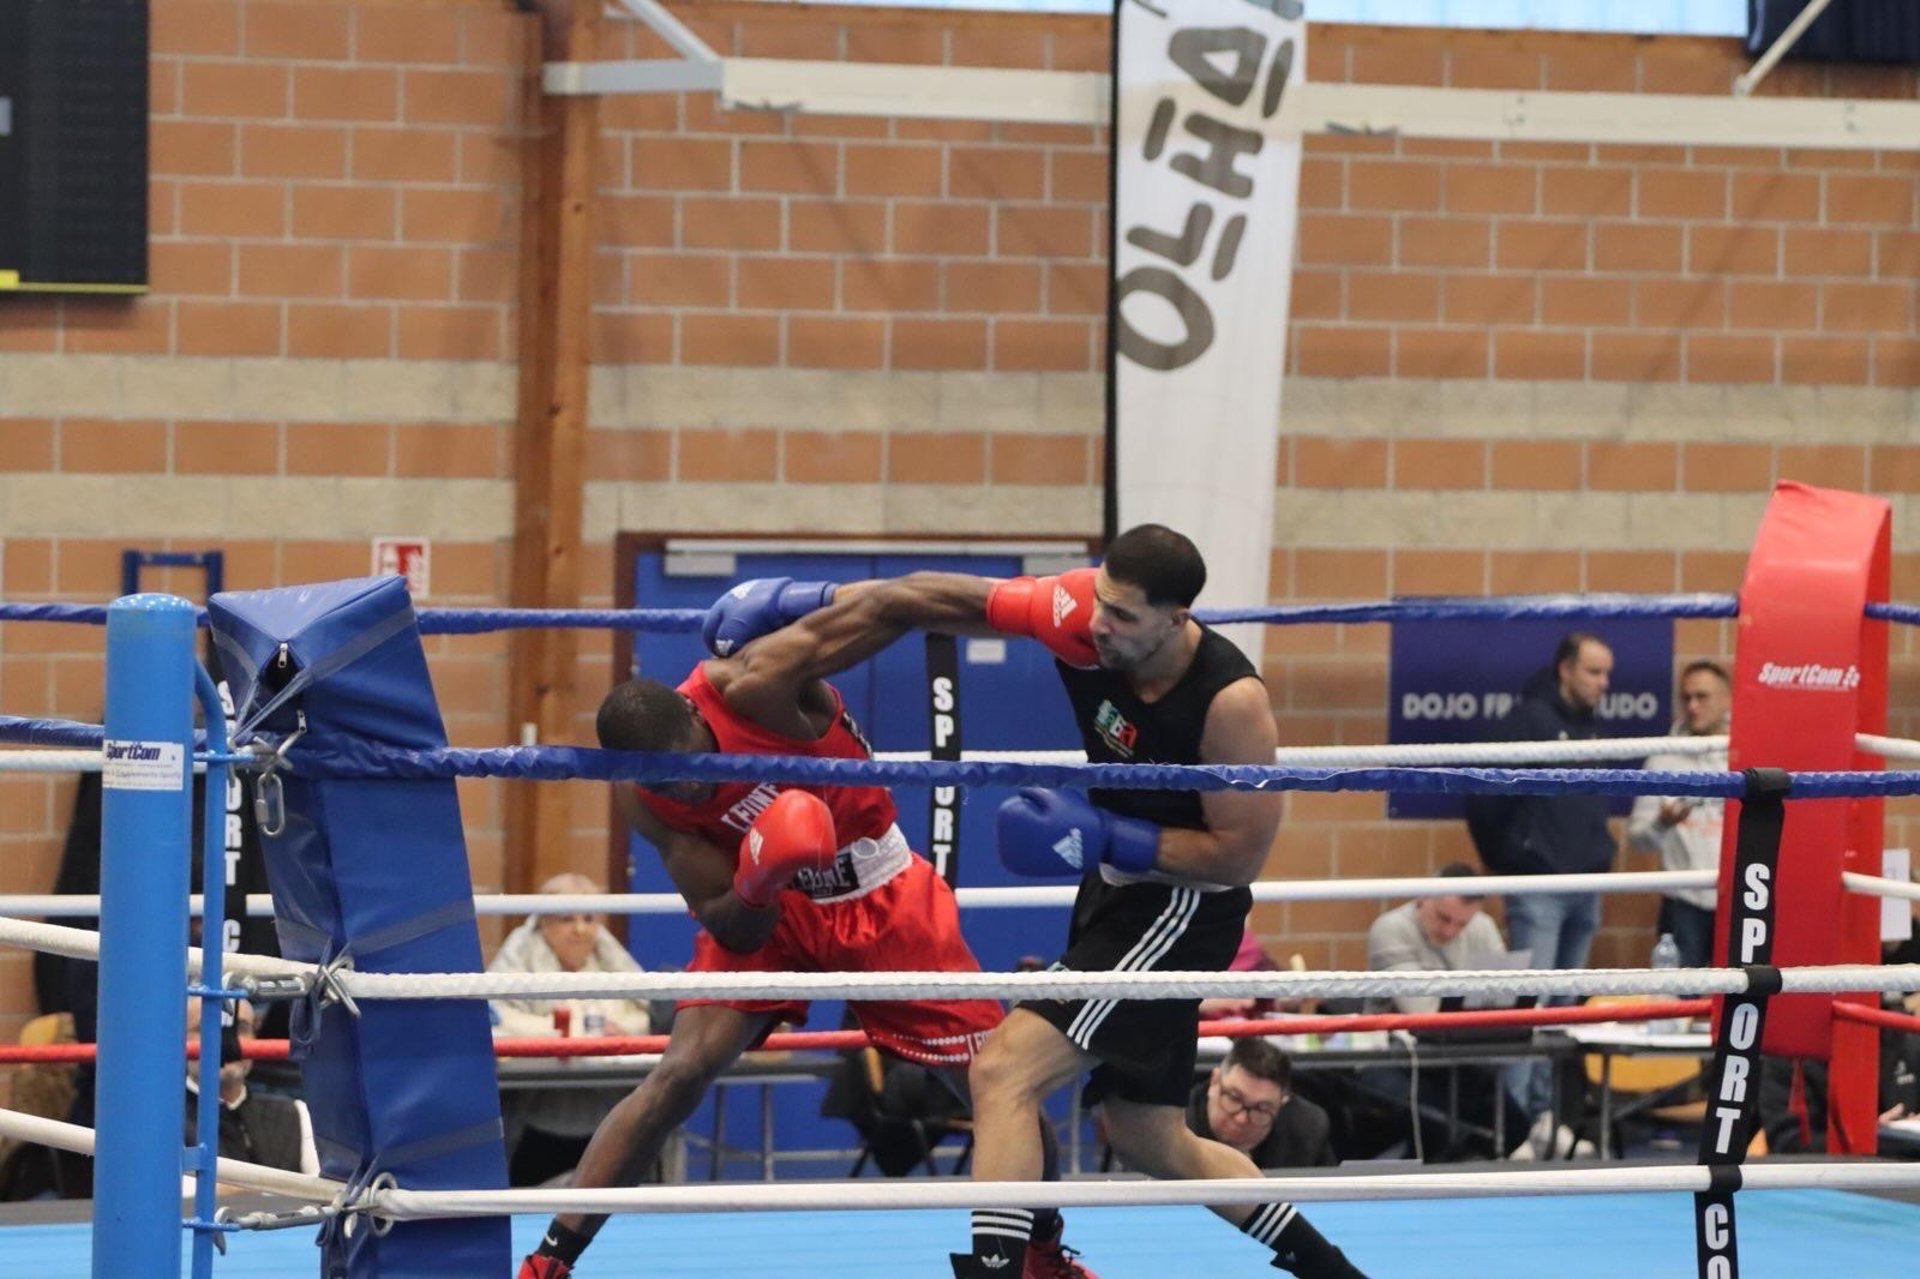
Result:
x=1654 y=1087
x=44 y=1089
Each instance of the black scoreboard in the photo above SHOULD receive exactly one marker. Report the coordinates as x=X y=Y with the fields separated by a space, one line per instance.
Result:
x=73 y=146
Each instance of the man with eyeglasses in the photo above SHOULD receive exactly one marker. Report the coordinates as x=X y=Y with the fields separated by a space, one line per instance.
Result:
x=1686 y=832
x=1247 y=1102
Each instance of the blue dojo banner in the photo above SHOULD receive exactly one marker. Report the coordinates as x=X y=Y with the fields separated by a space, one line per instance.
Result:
x=1455 y=681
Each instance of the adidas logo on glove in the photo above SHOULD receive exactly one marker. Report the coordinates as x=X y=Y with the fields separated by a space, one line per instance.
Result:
x=1069 y=849
x=1063 y=604
x=755 y=840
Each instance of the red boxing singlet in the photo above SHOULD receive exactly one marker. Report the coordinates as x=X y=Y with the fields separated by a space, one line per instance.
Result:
x=859 y=812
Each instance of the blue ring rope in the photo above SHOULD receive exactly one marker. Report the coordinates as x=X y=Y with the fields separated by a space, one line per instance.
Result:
x=66 y=734
x=334 y=756
x=1500 y=608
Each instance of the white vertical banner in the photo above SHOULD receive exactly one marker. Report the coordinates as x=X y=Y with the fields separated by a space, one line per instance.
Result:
x=1206 y=196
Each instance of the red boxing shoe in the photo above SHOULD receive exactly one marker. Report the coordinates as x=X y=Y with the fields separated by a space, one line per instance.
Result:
x=1048 y=1258
x=539 y=1267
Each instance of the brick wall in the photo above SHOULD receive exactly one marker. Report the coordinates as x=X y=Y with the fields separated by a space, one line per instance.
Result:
x=1512 y=367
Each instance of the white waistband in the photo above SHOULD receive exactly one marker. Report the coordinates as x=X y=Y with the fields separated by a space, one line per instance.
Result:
x=861 y=867
x=1121 y=879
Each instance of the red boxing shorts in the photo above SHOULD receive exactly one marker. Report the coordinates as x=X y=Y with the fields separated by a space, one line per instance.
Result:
x=908 y=924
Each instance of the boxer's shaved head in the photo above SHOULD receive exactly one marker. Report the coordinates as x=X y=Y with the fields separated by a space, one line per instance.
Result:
x=1162 y=563
x=645 y=715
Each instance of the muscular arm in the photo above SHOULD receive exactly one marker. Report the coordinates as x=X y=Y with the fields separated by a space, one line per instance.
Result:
x=1240 y=824
x=703 y=874
x=771 y=673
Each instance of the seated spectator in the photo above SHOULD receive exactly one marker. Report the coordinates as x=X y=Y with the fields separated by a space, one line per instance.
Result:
x=1247 y=1102
x=1441 y=933
x=258 y=1128
x=548 y=1129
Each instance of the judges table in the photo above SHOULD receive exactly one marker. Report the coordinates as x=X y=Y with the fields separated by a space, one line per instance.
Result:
x=768 y=1071
x=765 y=1071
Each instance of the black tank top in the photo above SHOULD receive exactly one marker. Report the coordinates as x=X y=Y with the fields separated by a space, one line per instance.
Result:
x=1118 y=728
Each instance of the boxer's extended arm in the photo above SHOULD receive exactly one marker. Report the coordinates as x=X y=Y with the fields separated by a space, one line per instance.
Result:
x=767 y=677
x=703 y=874
x=1240 y=824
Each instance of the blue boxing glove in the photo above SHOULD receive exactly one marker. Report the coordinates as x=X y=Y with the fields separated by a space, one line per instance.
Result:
x=1051 y=832
x=757 y=608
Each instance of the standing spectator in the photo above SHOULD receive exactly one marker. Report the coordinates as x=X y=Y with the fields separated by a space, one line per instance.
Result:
x=1686 y=832
x=1247 y=1102
x=547 y=1129
x=1551 y=834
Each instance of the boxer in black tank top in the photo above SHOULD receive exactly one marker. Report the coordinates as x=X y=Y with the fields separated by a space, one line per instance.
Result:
x=1147 y=1048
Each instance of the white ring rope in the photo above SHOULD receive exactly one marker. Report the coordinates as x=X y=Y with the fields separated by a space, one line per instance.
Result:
x=79 y=943
x=275 y=1181
x=84 y=943
x=1063 y=984
x=1875 y=886
x=407 y=1205
x=260 y=905
x=1887 y=747
x=12 y=761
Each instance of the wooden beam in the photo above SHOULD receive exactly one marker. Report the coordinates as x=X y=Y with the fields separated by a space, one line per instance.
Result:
x=550 y=433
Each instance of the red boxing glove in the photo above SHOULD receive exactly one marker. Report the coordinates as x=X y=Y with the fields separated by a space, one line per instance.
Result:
x=793 y=835
x=1057 y=611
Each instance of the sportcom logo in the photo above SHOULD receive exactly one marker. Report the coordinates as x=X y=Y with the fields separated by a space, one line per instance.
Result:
x=1063 y=604
x=1811 y=677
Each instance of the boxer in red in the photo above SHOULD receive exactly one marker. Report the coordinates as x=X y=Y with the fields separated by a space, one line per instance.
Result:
x=781 y=879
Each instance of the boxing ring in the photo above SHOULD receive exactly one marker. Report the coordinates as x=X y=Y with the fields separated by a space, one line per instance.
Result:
x=1572 y=1221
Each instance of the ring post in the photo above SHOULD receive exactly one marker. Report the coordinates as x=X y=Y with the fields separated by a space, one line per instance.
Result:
x=146 y=812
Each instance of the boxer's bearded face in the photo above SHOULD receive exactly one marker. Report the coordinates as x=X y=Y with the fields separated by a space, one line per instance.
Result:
x=1127 y=631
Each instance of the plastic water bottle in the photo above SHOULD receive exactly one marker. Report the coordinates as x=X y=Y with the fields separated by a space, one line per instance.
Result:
x=1666 y=955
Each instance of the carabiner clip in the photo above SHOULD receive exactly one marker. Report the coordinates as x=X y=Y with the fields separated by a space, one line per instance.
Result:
x=269 y=797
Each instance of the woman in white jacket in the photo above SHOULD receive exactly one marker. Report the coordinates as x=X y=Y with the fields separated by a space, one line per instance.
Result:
x=547 y=1129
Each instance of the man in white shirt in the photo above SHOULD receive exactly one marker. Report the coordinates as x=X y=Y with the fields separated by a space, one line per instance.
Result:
x=1686 y=832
